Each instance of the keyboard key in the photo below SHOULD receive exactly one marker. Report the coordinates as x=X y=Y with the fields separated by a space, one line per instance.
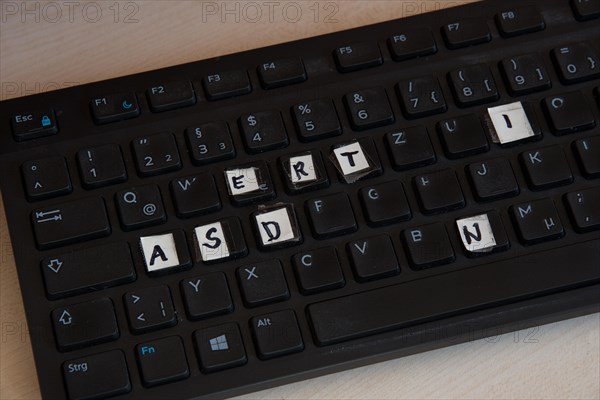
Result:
x=162 y=361
x=250 y=183
x=219 y=241
x=585 y=9
x=316 y=119
x=576 y=62
x=150 y=308
x=165 y=253
x=170 y=95
x=331 y=215
x=210 y=142
x=114 y=107
x=537 y=221
x=525 y=74
x=357 y=56
x=140 y=206
x=428 y=246
x=318 y=270
x=492 y=179
x=412 y=43
x=439 y=191
x=101 y=166
x=263 y=131
x=546 y=168
x=473 y=85
x=97 y=376
x=373 y=258
x=220 y=347
x=276 y=227
x=410 y=148
x=466 y=32
x=513 y=123
x=420 y=97
x=385 y=203
x=463 y=136
x=282 y=72
x=371 y=312
x=517 y=21
x=46 y=177
x=70 y=222
x=226 y=84
x=195 y=195
x=482 y=234
x=276 y=334
x=569 y=112
x=206 y=295
x=303 y=172
x=368 y=108
x=588 y=156
x=356 y=160
x=34 y=124
x=87 y=270
x=584 y=210
x=262 y=283
x=156 y=154
x=84 y=324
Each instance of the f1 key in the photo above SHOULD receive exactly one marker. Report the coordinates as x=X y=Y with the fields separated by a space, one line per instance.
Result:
x=70 y=222
x=114 y=107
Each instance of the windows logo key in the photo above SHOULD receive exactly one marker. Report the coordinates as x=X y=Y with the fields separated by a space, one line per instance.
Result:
x=219 y=343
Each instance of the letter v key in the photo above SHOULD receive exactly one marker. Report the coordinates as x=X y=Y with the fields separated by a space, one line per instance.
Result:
x=363 y=248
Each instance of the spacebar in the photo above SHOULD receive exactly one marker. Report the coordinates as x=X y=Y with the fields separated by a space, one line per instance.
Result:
x=427 y=299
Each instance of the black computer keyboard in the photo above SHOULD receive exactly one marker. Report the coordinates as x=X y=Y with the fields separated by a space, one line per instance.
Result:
x=228 y=225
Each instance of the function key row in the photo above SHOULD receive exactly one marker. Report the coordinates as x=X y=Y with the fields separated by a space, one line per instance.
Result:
x=176 y=94
x=419 y=96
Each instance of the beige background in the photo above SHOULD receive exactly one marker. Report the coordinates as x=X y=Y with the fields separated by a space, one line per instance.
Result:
x=47 y=45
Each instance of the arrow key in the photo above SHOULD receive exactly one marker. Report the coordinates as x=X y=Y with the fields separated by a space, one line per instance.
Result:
x=150 y=309
x=84 y=324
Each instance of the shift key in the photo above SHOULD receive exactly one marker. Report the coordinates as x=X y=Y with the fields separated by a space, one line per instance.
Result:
x=70 y=222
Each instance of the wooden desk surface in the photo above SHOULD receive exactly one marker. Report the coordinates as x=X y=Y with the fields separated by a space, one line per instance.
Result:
x=50 y=45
